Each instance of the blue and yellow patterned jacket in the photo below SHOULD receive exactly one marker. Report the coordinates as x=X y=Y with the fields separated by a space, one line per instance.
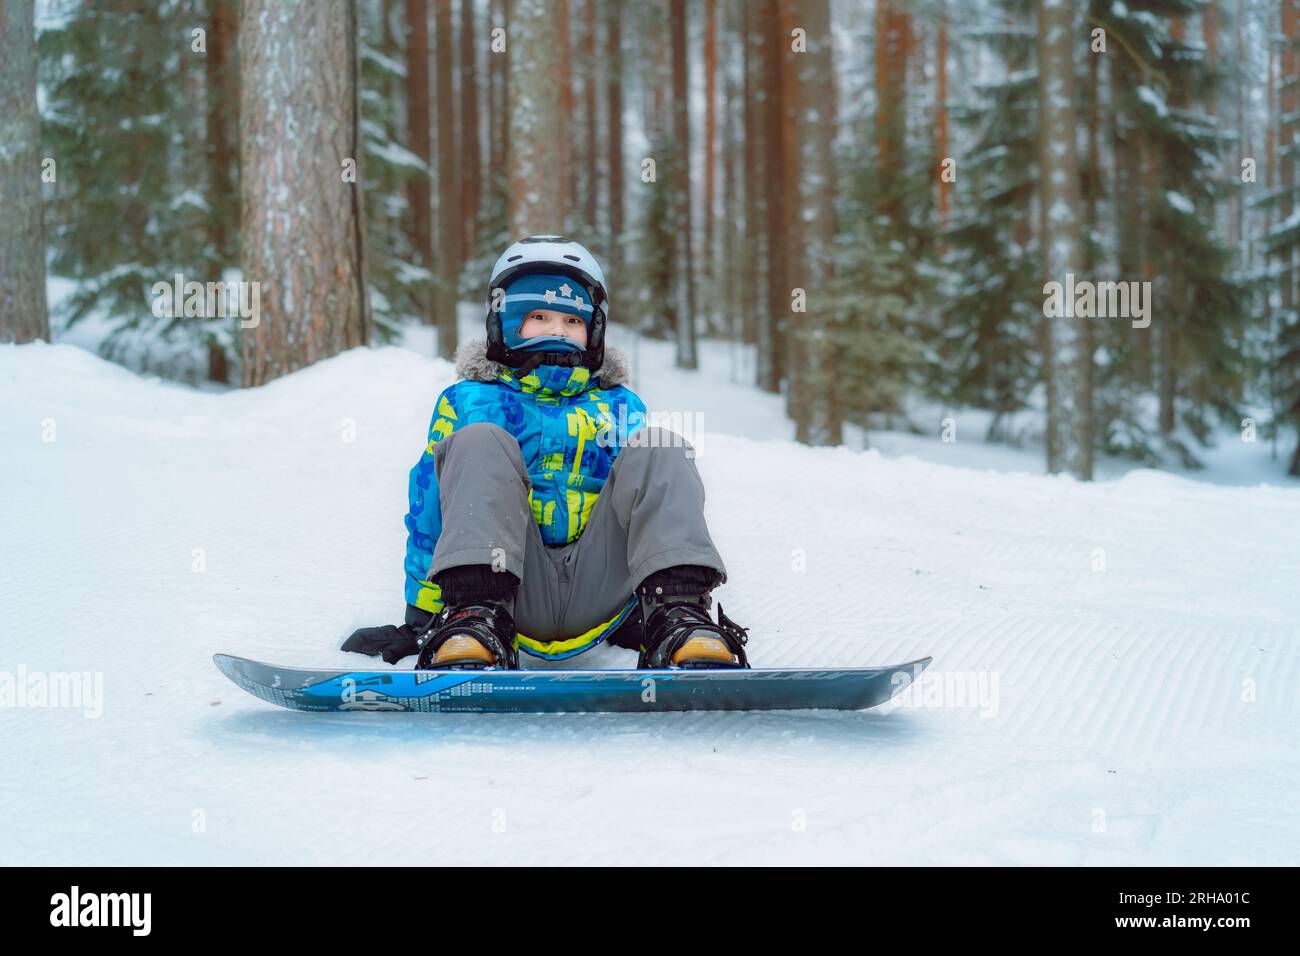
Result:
x=554 y=413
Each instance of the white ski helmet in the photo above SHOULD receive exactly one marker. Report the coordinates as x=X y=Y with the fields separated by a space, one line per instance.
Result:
x=548 y=254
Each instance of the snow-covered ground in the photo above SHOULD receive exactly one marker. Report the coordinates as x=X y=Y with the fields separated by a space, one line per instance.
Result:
x=1116 y=672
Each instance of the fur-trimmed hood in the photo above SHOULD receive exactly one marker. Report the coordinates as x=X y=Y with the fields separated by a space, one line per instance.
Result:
x=473 y=364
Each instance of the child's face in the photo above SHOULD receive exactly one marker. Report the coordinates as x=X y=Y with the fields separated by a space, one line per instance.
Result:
x=547 y=322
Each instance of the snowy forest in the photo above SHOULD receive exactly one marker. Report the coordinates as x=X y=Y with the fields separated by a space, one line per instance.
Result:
x=978 y=322
x=1079 y=217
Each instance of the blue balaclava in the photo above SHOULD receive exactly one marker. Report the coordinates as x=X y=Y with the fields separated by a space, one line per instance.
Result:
x=542 y=290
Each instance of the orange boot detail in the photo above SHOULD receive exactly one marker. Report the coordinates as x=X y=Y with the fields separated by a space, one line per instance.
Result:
x=462 y=649
x=704 y=648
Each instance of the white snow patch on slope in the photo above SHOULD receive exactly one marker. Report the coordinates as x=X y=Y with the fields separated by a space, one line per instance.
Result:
x=1142 y=633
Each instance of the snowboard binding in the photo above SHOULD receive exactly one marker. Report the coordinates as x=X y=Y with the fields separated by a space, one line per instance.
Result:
x=679 y=634
x=478 y=636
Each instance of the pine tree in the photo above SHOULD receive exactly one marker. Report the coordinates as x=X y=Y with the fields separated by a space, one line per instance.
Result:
x=812 y=363
x=399 y=281
x=730 y=262
x=495 y=227
x=471 y=160
x=537 y=195
x=1282 y=242
x=1068 y=363
x=1192 y=358
x=677 y=166
x=419 y=141
x=653 y=288
x=709 y=280
x=303 y=225
x=611 y=59
x=449 y=252
x=121 y=119
x=883 y=276
x=222 y=127
x=774 y=182
x=986 y=352
x=23 y=315
x=752 y=248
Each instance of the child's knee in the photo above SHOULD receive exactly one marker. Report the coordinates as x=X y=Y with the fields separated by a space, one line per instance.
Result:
x=480 y=436
x=655 y=437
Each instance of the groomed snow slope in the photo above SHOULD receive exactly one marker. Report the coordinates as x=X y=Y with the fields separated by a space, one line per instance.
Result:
x=1133 y=649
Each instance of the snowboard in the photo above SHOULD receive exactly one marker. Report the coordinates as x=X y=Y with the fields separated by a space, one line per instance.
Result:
x=565 y=691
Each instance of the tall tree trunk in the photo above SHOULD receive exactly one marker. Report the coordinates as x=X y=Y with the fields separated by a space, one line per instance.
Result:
x=23 y=315
x=1167 y=331
x=471 y=141
x=1129 y=199
x=776 y=302
x=812 y=378
x=1287 y=145
x=451 y=223
x=729 y=266
x=683 y=254
x=893 y=38
x=786 y=331
x=561 y=61
x=499 y=120
x=1270 y=139
x=303 y=231
x=613 y=51
x=1092 y=169
x=709 y=259
x=222 y=129
x=537 y=197
x=222 y=81
x=590 y=125
x=750 y=273
x=419 y=136
x=655 y=248
x=1091 y=180
x=1020 y=57
x=941 y=119
x=1069 y=433
x=785 y=186
x=1237 y=225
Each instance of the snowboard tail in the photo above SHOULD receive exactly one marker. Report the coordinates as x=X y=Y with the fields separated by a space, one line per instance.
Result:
x=553 y=691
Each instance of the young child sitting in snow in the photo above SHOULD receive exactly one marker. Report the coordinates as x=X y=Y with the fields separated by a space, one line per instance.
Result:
x=542 y=502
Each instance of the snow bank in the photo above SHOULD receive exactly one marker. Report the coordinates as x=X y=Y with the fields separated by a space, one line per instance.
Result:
x=1114 y=681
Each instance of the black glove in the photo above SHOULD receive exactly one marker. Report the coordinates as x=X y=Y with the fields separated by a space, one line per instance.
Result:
x=392 y=641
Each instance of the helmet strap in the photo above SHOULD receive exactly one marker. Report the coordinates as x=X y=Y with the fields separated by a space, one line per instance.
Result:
x=562 y=359
x=530 y=363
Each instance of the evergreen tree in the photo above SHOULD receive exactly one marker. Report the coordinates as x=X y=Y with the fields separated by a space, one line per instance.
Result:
x=119 y=115
x=495 y=233
x=303 y=195
x=986 y=350
x=23 y=315
x=1282 y=242
x=884 y=276
x=653 y=287
x=1067 y=363
x=399 y=283
x=1191 y=360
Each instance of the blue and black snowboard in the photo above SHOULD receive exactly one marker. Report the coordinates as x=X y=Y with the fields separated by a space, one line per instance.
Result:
x=548 y=691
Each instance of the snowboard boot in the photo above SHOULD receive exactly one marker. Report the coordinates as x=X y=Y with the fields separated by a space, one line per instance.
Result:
x=475 y=630
x=678 y=631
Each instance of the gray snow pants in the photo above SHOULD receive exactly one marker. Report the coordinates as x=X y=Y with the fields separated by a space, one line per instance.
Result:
x=649 y=516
